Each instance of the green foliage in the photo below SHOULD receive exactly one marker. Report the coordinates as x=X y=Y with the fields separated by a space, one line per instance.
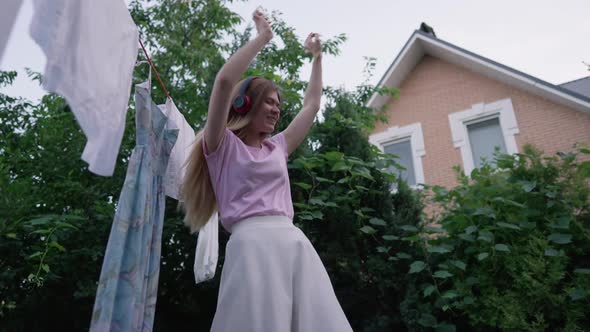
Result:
x=188 y=43
x=56 y=216
x=510 y=251
x=515 y=250
x=341 y=189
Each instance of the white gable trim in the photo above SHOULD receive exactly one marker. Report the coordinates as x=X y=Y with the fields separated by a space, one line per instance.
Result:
x=421 y=44
x=502 y=109
x=409 y=57
x=412 y=132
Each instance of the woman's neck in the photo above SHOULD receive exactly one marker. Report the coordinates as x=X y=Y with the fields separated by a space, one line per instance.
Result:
x=254 y=139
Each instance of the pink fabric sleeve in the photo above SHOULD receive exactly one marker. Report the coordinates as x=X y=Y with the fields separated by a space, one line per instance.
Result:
x=216 y=159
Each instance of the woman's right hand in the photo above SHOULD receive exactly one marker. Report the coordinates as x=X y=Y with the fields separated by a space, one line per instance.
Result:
x=262 y=25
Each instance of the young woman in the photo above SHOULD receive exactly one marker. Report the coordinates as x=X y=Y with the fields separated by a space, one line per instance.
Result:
x=273 y=279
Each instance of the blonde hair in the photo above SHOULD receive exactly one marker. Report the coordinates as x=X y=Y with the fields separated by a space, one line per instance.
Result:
x=197 y=198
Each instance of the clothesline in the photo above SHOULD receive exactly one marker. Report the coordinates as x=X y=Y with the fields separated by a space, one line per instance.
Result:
x=206 y=251
x=154 y=68
x=82 y=48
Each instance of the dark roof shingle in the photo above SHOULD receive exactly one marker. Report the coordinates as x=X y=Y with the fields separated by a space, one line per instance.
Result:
x=580 y=86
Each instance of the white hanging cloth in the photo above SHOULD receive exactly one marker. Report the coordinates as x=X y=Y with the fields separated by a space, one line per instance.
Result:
x=207 y=250
x=91 y=48
x=8 y=12
x=180 y=152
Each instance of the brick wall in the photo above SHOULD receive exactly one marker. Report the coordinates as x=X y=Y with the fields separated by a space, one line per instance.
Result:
x=437 y=88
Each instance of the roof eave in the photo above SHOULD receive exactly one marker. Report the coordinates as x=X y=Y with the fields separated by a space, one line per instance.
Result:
x=421 y=43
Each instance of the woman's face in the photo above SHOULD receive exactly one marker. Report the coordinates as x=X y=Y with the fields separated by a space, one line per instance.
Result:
x=266 y=116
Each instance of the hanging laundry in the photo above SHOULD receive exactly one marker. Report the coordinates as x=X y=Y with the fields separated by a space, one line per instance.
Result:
x=8 y=12
x=91 y=47
x=207 y=250
x=128 y=285
x=180 y=152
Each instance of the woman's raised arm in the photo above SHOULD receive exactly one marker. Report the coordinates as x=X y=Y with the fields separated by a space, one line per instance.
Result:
x=226 y=79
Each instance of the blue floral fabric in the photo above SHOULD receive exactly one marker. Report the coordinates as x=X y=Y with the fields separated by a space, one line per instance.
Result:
x=128 y=285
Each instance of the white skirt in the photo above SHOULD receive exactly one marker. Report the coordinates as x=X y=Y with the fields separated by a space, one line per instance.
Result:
x=274 y=281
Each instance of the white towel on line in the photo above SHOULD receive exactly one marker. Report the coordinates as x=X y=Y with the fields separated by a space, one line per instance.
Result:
x=91 y=48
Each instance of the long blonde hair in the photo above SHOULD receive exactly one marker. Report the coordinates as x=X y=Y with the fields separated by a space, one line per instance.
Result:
x=197 y=198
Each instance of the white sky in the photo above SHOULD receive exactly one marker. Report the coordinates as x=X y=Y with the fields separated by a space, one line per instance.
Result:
x=543 y=38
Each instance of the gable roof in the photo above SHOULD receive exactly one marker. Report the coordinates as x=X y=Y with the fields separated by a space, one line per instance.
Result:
x=421 y=44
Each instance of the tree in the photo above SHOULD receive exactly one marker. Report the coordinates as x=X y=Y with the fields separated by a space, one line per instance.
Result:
x=57 y=216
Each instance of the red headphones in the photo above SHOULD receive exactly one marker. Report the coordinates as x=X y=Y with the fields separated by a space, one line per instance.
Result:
x=242 y=103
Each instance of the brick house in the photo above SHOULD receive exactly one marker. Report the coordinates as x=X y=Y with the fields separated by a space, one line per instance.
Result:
x=456 y=107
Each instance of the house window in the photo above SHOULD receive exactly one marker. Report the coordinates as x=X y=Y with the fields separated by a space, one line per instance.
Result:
x=403 y=150
x=479 y=130
x=408 y=144
x=485 y=137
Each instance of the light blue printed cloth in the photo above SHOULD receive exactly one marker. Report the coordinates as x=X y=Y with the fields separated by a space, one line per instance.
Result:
x=128 y=286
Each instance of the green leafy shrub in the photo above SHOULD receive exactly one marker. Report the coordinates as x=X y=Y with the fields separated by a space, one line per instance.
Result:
x=513 y=251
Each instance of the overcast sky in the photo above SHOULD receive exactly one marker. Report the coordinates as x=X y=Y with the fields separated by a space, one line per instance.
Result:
x=545 y=39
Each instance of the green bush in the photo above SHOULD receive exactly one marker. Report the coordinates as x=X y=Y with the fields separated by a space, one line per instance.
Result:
x=341 y=189
x=513 y=251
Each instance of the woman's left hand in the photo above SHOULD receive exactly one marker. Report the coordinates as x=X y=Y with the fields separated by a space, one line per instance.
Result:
x=313 y=44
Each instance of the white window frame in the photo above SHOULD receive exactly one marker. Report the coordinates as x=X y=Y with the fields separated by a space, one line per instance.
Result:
x=413 y=133
x=501 y=109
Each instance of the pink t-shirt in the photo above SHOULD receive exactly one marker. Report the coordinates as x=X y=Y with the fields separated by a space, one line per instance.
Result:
x=250 y=181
